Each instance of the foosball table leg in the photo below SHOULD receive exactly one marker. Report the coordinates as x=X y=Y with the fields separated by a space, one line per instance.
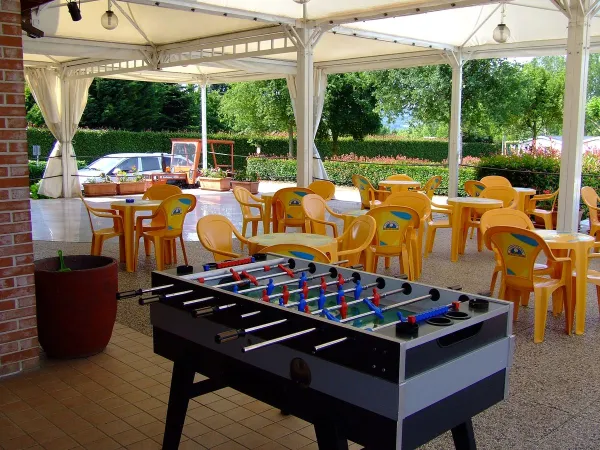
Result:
x=329 y=437
x=182 y=381
x=464 y=437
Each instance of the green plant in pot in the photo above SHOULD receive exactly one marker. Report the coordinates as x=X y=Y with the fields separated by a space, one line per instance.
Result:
x=214 y=179
x=130 y=182
x=246 y=179
x=99 y=186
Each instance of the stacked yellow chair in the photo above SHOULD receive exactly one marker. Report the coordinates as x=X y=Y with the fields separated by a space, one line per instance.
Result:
x=393 y=226
x=248 y=202
x=367 y=192
x=356 y=242
x=495 y=180
x=323 y=188
x=215 y=234
x=173 y=209
x=590 y=198
x=518 y=249
x=544 y=214
x=432 y=184
x=314 y=207
x=288 y=208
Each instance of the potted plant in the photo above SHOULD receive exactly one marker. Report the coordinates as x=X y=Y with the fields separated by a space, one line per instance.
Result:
x=248 y=180
x=130 y=183
x=214 y=180
x=98 y=186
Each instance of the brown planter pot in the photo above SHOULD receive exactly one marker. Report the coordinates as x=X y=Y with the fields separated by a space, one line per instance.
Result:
x=99 y=189
x=76 y=310
x=252 y=186
x=133 y=187
x=215 y=184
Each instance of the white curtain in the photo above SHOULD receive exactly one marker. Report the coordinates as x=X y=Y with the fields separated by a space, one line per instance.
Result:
x=320 y=85
x=61 y=102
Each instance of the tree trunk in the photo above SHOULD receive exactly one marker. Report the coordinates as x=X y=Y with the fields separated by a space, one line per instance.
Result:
x=291 y=139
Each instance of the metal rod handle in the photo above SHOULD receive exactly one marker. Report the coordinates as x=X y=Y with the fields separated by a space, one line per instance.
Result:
x=198 y=300
x=329 y=344
x=218 y=273
x=136 y=292
x=276 y=340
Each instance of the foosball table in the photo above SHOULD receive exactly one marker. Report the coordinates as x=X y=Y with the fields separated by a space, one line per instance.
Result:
x=383 y=362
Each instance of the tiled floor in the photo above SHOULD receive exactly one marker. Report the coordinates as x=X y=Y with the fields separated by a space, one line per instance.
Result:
x=118 y=399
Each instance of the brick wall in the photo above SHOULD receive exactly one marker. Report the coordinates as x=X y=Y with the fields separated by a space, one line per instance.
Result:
x=18 y=332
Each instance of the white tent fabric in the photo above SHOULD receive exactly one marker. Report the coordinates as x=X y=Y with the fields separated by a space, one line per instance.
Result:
x=320 y=83
x=62 y=103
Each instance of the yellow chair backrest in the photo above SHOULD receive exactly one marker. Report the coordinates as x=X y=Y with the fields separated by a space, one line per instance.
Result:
x=506 y=194
x=288 y=203
x=495 y=180
x=324 y=188
x=392 y=224
x=432 y=184
x=590 y=198
x=242 y=195
x=174 y=210
x=505 y=217
x=357 y=238
x=364 y=186
x=474 y=188
x=518 y=249
x=216 y=231
x=314 y=208
x=399 y=177
x=298 y=251
x=414 y=200
x=161 y=192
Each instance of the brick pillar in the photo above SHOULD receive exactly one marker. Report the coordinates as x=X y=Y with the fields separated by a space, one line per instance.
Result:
x=19 y=348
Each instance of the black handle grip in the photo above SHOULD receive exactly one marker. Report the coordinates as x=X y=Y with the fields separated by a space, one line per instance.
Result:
x=203 y=311
x=128 y=294
x=230 y=335
x=146 y=301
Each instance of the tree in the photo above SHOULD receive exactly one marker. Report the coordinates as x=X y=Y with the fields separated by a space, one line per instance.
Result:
x=350 y=107
x=593 y=116
x=258 y=107
x=34 y=114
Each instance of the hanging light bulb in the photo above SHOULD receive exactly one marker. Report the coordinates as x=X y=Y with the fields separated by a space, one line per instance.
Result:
x=301 y=2
x=109 y=19
x=501 y=32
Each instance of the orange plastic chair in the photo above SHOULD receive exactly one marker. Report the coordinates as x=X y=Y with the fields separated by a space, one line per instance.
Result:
x=173 y=210
x=505 y=217
x=399 y=177
x=544 y=214
x=518 y=250
x=393 y=225
x=422 y=205
x=474 y=188
x=324 y=188
x=434 y=225
x=353 y=244
x=432 y=184
x=367 y=192
x=495 y=180
x=298 y=251
x=158 y=192
x=590 y=198
x=104 y=234
x=215 y=234
x=593 y=276
x=288 y=208
x=247 y=202
x=314 y=207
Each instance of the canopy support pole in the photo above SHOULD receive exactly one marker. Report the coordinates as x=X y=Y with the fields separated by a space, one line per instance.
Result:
x=578 y=51
x=304 y=107
x=65 y=148
x=455 y=140
x=203 y=121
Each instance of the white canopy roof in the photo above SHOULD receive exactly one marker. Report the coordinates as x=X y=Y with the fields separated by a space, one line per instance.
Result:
x=234 y=40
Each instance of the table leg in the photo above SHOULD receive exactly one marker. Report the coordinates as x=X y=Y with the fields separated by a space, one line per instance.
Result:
x=182 y=381
x=581 y=268
x=267 y=215
x=128 y=233
x=329 y=437
x=464 y=437
x=456 y=232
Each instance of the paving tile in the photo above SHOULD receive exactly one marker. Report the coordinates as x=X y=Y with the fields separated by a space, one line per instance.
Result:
x=100 y=418
x=137 y=420
x=144 y=383
x=206 y=399
x=61 y=443
x=148 y=403
x=211 y=439
x=256 y=422
x=159 y=413
x=47 y=434
x=222 y=405
x=238 y=413
x=201 y=413
x=231 y=445
x=274 y=431
x=226 y=392
x=293 y=423
x=241 y=399
x=146 y=444
x=191 y=445
x=114 y=427
x=88 y=436
x=258 y=406
x=126 y=410
x=273 y=414
x=271 y=446
x=234 y=430
x=294 y=441
x=136 y=396
x=308 y=432
x=129 y=437
x=193 y=430
x=18 y=443
x=252 y=440
x=216 y=421
x=153 y=428
x=103 y=444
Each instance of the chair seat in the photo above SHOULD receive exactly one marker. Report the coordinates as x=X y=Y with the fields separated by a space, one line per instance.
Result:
x=444 y=223
x=108 y=232
x=546 y=282
x=541 y=212
x=252 y=217
x=166 y=234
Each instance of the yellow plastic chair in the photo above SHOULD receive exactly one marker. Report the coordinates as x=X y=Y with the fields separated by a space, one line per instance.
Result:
x=593 y=276
x=355 y=242
x=314 y=207
x=173 y=210
x=298 y=251
x=432 y=184
x=495 y=180
x=391 y=238
x=590 y=198
x=247 y=202
x=505 y=217
x=288 y=208
x=544 y=214
x=215 y=234
x=422 y=205
x=324 y=188
x=399 y=177
x=518 y=250
x=158 y=192
x=367 y=192
x=104 y=234
x=434 y=225
x=474 y=188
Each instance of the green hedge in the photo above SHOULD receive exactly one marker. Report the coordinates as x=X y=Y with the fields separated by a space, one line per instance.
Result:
x=36 y=170
x=92 y=144
x=340 y=173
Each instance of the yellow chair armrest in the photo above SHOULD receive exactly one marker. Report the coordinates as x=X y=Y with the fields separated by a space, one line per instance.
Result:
x=257 y=199
x=253 y=205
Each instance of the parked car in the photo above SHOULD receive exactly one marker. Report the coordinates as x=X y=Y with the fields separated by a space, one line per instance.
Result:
x=128 y=162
